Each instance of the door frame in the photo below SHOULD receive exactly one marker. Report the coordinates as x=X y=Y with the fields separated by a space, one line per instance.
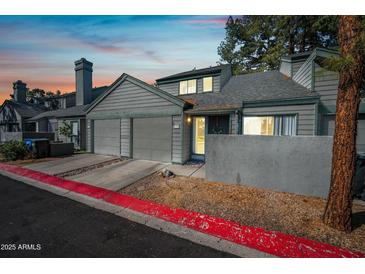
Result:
x=195 y=156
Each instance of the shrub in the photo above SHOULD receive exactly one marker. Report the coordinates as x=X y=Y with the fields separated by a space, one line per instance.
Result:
x=13 y=150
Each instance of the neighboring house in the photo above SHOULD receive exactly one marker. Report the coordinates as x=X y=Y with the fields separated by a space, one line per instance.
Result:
x=169 y=122
x=71 y=108
x=15 y=112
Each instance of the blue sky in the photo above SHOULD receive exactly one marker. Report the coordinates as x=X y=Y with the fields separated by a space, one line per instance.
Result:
x=40 y=50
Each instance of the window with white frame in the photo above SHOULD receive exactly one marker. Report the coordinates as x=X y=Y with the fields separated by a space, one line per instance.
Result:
x=281 y=125
x=208 y=84
x=187 y=87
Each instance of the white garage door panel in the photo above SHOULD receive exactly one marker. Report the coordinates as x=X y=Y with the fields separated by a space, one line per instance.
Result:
x=152 y=138
x=107 y=137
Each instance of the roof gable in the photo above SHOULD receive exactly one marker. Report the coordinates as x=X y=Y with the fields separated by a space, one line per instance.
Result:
x=146 y=87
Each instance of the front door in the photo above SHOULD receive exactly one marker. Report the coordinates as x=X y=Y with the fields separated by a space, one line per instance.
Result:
x=199 y=136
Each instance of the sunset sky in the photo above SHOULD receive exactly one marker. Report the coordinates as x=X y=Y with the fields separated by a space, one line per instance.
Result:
x=40 y=50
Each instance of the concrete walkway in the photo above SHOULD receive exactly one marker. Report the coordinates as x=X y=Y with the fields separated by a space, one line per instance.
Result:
x=69 y=163
x=119 y=175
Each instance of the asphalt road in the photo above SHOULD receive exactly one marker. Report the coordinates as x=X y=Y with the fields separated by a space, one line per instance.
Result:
x=36 y=223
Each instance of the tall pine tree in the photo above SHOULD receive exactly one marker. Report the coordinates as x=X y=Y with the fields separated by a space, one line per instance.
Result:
x=255 y=43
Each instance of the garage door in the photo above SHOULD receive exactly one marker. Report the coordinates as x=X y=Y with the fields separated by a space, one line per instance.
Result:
x=107 y=137
x=328 y=127
x=152 y=139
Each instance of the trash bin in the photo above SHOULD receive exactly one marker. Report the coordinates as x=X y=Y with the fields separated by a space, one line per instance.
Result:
x=39 y=147
x=358 y=188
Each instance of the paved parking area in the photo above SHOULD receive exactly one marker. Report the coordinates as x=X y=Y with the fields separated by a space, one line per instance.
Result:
x=65 y=164
x=119 y=175
x=54 y=226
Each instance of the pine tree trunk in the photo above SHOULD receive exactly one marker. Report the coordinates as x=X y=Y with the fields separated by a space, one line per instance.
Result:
x=339 y=203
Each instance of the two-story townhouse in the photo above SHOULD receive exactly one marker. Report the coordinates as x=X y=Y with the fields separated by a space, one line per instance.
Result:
x=169 y=122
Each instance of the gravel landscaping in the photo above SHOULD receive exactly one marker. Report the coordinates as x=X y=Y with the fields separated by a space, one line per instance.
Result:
x=284 y=212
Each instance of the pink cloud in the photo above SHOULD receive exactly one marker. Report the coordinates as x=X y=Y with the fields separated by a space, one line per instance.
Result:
x=218 y=21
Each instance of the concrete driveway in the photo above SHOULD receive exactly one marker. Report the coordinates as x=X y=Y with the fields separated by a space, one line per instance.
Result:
x=119 y=175
x=66 y=164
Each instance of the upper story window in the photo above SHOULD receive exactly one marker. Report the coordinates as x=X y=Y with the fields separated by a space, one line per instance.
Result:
x=187 y=87
x=207 y=84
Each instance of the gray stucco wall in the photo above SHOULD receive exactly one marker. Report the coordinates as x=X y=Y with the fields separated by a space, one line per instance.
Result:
x=306 y=115
x=299 y=165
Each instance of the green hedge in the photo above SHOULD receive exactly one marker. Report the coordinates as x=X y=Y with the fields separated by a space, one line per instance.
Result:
x=13 y=150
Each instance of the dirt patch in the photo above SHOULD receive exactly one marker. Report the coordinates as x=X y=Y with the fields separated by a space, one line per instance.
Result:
x=278 y=211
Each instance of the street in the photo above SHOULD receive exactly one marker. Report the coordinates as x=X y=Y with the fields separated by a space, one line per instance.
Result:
x=36 y=223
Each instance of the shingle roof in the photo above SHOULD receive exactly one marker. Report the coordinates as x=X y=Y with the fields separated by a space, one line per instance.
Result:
x=95 y=92
x=26 y=110
x=74 y=111
x=193 y=72
x=261 y=86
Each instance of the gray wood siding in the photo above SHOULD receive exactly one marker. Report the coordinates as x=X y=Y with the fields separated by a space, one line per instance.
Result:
x=234 y=123
x=176 y=139
x=89 y=135
x=305 y=115
x=187 y=127
x=304 y=74
x=328 y=128
x=173 y=88
x=125 y=137
x=216 y=84
x=326 y=84
x=129 y=97
x=296 y=66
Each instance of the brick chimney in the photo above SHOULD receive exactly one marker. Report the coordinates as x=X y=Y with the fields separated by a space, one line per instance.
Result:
x=20 y=91
x=84 y=71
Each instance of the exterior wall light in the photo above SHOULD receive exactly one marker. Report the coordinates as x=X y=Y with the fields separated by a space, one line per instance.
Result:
x=189 y=120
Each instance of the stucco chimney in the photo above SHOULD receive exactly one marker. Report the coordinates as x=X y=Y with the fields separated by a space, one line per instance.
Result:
x=20 y=91
x=84 y=71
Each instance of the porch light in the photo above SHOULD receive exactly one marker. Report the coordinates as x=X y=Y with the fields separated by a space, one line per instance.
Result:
x=189 y=119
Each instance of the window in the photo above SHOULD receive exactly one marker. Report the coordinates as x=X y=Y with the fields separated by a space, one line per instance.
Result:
x=75 y=128
x=187 y=87
x=282 y=125
x=258 y=125
x=207 y=84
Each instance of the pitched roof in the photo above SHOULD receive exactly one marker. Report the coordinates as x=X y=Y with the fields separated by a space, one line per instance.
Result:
x=95 y=92
x=261 y=86
x=193 y=72
x=26 y=110
x=141 y=84
x=75 y=111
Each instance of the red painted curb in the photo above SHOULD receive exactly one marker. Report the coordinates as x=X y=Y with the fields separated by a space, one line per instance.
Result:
x=271 y=242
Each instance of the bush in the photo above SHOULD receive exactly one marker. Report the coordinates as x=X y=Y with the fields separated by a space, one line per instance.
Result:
x=13 y=150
